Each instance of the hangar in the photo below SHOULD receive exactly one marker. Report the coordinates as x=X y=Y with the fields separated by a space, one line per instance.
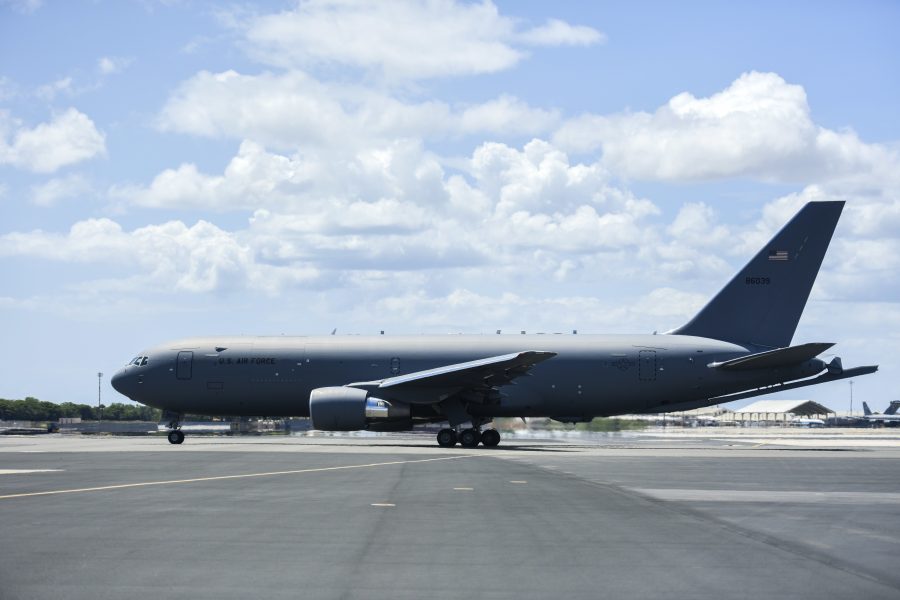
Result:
x=781 y=411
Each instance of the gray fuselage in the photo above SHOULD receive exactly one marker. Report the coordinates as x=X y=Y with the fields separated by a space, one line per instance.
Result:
x=591 y=375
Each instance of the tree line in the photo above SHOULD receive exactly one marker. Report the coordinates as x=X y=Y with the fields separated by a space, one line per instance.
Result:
x=32 y=409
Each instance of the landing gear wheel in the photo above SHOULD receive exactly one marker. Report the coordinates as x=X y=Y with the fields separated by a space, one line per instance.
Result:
x=469 y=438
x=490 y=438
x=176 y=436
x=446 y=438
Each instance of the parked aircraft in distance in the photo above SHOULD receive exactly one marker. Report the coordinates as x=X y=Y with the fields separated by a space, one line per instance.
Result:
x=806 y=422
x=890 y=416
x=737 y=346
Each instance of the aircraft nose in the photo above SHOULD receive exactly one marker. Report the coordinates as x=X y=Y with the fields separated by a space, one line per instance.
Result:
x=118 y=382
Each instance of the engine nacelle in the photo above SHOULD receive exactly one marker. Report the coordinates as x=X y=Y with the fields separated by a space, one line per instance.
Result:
x=351 y=409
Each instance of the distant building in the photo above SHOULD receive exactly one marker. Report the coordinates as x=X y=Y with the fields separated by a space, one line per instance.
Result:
x=781 y=411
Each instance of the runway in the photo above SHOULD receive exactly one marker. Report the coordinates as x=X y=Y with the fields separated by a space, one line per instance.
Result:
x=394 y=516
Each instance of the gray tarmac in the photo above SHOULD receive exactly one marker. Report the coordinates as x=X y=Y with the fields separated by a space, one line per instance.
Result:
x=712 y=515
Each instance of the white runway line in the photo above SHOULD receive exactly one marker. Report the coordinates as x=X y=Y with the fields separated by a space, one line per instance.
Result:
x=19 y=471
x=224 y=477
x=774 y=496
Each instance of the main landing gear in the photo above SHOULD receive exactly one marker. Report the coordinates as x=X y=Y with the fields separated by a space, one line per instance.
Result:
x=176 y=435
x=468 y=438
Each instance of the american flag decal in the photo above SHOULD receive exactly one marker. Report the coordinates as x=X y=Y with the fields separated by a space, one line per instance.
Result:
x=781 y=255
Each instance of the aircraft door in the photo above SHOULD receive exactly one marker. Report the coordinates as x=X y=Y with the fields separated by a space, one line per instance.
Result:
x=647 y=365
x=184 y=364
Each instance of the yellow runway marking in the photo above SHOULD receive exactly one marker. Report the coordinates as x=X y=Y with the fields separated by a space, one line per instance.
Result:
x=224 y=477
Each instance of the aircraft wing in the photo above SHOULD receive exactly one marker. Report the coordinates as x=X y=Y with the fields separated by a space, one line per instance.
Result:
x=477 y=374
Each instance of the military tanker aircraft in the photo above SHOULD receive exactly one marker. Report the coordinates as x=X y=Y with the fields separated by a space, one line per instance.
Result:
x=737 y=346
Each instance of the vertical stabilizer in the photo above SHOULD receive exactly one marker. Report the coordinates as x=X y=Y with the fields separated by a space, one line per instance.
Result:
x=866 y=410
x=892 y=409
x=762 y=305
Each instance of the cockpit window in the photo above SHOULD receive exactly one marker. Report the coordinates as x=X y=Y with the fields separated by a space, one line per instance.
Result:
x=138 y=361
x=144 y=360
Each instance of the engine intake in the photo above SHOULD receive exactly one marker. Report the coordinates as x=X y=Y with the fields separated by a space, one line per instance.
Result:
x=351 y=409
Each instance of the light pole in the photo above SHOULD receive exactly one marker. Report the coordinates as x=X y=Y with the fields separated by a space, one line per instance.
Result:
x=99 y=406
x=851 y=397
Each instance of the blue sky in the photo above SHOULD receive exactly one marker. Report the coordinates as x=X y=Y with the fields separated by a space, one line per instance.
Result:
x=179 y=168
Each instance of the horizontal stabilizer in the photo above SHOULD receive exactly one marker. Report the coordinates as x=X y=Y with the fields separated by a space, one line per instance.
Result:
x=780 y=387
x=782 y=357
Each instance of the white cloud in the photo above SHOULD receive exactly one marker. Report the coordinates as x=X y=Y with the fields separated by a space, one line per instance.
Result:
x=511 y=312
x=110 y=65
x=560 y=33
x=864 y=256
x=287 y=110
x=51 y=192
x=48 y=92
x=504 y=115
x=293 y=110
x=531 y=197
x=69 y=138
x=583 y=230
x=8 y=89
x=695 y=222
x=396 y=208
x=253 y=178
x=537 y=178
x=199 y=258
x=760 y=126
x=25 y=7
x=403 y=39
x=306 y=183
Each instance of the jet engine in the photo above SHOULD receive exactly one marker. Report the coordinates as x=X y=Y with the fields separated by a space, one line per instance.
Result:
x=351 y=409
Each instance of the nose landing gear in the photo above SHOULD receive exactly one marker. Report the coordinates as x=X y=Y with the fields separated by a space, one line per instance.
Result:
x=175 y=435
